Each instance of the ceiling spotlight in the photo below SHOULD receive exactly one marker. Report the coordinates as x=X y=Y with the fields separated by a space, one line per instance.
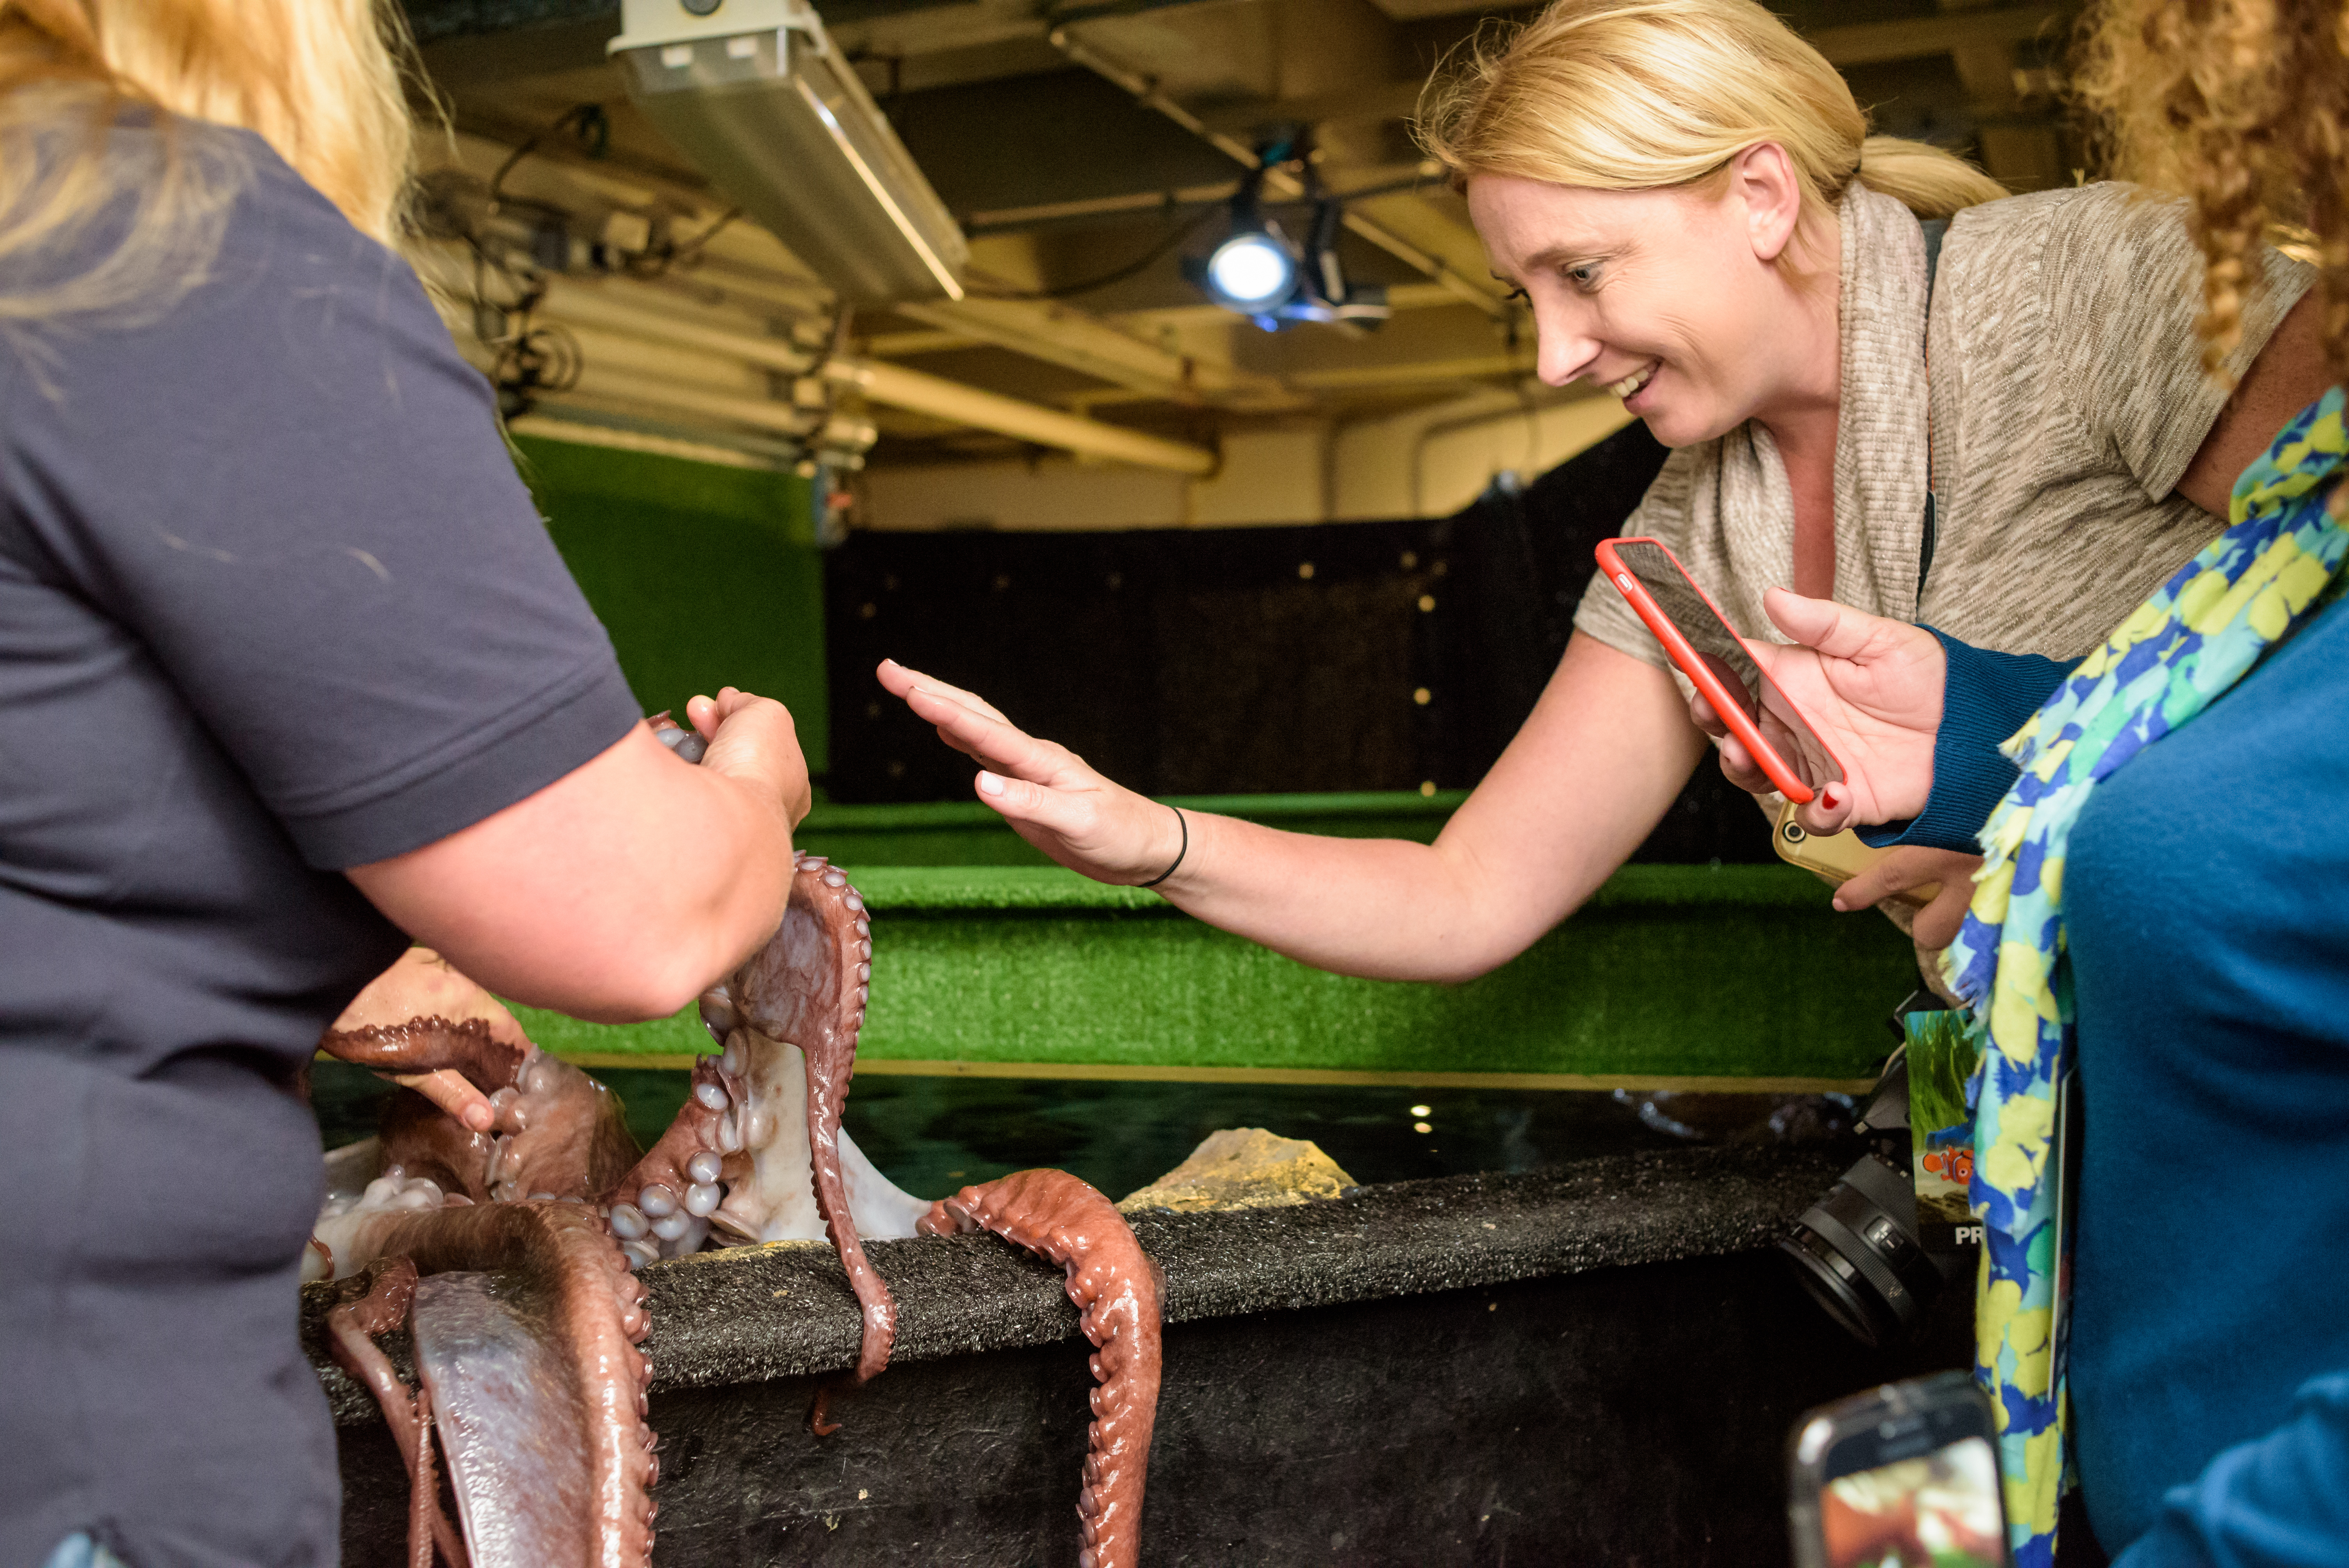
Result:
x=1257 y=272
x=1252 y=272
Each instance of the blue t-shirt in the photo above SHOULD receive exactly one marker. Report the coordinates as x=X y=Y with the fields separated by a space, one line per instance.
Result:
x=273 y=603
x=2206 y=906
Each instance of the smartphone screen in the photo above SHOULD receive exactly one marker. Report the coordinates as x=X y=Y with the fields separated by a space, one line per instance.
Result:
x=1937 y=1509
x=1713 y=642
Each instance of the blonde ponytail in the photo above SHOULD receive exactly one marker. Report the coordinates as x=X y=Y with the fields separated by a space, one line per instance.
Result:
x=1633 y=95
x=1924 y=178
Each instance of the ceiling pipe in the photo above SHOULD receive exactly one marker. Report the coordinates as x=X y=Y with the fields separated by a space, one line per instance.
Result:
x=1146 y=92
x=891 y=385
x=957 y=404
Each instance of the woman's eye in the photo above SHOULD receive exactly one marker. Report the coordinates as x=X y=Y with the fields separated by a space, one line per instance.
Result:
x=1584 y=276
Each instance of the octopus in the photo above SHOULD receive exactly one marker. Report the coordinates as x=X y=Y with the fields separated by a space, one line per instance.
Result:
x=509 y=1253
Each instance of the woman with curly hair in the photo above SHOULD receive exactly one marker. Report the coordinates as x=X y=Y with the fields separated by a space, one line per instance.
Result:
x=293 y=674
x=2160 y=938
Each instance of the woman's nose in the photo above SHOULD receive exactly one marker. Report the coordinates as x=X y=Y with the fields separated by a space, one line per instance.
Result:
x=1563 y=349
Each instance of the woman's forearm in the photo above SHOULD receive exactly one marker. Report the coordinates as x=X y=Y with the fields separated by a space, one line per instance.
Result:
x=617 y=892
x=1601 y=759
x=1384 y=908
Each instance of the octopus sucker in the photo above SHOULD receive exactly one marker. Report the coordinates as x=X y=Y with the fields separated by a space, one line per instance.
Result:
x=1115 y=1287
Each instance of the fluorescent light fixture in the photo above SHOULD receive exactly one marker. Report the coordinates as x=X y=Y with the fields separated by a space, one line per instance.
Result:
x=754 y=93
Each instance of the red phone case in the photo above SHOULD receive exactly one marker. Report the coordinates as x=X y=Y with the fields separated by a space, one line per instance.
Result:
x=1731 y=708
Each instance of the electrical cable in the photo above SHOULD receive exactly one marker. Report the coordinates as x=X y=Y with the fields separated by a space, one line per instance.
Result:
x=658 y=263
x=1141 y=264
x=592 y=129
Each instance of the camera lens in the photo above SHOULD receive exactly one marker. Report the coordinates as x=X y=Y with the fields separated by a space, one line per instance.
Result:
x=1857 y=1250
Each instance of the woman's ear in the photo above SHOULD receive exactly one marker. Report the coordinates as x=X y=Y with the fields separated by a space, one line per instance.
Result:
x=1763 y=179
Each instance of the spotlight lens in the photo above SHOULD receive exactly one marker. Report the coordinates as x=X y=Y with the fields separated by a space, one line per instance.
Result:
x=1251 y=270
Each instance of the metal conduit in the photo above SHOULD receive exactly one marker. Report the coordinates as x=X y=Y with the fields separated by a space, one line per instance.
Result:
x=912 y=390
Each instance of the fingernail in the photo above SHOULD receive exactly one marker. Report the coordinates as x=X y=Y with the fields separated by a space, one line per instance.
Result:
x=989 y=784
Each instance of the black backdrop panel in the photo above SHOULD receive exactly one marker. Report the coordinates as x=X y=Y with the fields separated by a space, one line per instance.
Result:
x=1379 y=656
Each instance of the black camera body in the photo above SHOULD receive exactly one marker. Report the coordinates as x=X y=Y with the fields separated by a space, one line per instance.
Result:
x=1860 y=1250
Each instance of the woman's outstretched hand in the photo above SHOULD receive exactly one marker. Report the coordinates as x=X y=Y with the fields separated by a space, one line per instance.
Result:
x=1872 y=689
x=1048 y=794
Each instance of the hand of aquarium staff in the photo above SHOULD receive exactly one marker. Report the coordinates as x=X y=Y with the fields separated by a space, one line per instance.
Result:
x=1872 y=689
x=453 y=1093
x=753 y=739
x=1051 y=798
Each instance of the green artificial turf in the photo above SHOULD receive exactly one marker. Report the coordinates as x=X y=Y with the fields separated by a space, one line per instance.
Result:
x=704 y=576
x=1670 y=972
x=966 y=833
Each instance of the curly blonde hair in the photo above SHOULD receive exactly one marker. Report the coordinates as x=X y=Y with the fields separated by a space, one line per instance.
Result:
x=1636 y=95
x=2242 y=105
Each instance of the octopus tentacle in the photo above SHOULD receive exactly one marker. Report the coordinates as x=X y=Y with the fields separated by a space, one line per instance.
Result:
x=577 y=1285
x=808 y=986
x=662 y=1206
x=421 y=1015
x=380 y=1306
x=348 y=1231
x=556 y=1132
x=425 y=1520
x=561 y=1134
x=427 y=1043
x=1115 y=1287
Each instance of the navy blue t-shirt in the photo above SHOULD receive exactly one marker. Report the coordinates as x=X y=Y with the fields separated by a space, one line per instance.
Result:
x=273 y=603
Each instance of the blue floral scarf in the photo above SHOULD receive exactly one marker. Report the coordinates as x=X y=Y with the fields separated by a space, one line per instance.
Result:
x=2181 y=650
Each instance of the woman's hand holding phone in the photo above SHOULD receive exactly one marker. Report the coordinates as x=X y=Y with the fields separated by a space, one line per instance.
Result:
x=1087 y=823
x=1872 y=689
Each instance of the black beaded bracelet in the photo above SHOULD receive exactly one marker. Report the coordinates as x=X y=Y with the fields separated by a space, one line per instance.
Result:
x=1186 y=850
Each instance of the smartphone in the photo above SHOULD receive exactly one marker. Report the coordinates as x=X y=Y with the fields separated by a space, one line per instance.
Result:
x=1708 y=650
x=1835 y=858
x=1904 y=1474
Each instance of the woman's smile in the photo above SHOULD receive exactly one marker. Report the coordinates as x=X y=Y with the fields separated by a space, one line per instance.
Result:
x=1637 y=382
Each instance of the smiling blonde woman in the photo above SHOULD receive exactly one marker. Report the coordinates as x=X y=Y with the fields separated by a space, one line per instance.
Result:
x=1685 y=192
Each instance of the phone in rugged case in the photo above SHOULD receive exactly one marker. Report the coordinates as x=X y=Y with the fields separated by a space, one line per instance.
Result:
x=1835 y=857
x=1699 y=639
x=1905 y=1473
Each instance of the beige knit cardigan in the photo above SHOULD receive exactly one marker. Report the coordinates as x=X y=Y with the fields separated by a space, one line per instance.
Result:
x=2066 y=397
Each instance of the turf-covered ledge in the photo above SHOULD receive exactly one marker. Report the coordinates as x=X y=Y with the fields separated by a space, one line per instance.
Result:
x=751 y=1314
x=1671 y=977
x=967 y=833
